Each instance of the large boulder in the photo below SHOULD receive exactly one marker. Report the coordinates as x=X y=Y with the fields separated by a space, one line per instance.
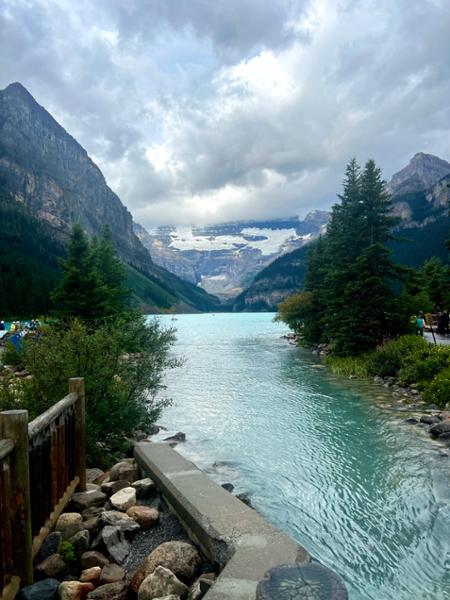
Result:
x=88 y=499
x=52 y=566
x=144 y=516
x=124 y=499
x=47 y=589
x=110 y=591
x=75 y=590
x=439 y=428
x=126 y=469
x=181 y=558
x=69 y=524
x=160 y=583
x=93 y=559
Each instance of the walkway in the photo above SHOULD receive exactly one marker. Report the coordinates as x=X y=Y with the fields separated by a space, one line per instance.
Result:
x=440 y=339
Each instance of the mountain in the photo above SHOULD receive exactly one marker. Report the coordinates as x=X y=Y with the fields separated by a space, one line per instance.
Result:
x=224 y=258
x=421 y=199
x=45 y=170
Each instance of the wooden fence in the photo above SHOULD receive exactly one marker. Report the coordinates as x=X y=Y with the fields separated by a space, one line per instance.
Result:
x=41 y=464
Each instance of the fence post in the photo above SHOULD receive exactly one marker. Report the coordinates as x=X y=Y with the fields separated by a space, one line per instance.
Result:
x=14 y=425
x=76 y=386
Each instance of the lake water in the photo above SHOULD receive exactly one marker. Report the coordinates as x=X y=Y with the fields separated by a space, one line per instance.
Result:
x=323 y=458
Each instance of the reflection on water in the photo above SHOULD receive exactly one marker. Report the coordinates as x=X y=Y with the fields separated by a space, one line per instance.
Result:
x=321 y=457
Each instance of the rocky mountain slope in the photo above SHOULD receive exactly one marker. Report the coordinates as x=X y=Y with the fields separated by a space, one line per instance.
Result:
x=421 y=196
x=45 y=170
x=224 y=258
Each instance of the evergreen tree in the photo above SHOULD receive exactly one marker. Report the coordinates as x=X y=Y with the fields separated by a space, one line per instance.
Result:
x=79 y=293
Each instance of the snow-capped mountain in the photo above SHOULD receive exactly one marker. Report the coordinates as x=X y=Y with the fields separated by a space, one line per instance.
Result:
x=224 y=258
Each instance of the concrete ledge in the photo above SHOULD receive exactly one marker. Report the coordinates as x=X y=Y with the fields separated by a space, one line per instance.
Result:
x=232 y=535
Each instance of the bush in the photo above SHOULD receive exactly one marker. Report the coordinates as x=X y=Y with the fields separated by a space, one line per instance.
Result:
x=389 y=358
x=348 y=365
x=424 y=364
x=122 y=362
x=438 y=390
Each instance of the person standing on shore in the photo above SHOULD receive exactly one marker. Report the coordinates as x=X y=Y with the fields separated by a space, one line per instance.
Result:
x=420 y=323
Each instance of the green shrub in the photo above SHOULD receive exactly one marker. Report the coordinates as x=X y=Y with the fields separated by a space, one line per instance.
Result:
x=121 y=388
x=424 y=364
x=438 y=390
x=65 y=549
x=389 y=358
x=348 y=365
x=10 y=355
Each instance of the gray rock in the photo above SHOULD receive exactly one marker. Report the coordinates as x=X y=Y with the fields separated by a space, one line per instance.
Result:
x=115 y=542
x=125 y=469
x=110 y=591
x=124 y=499
x=160 y=583
x=178 y=437
x=74 y=590
x=145 y=516
x=304 y=581
x=411 y=421
x=68 y=524
x=119 y=519
x=111 y=574
x=440 y=428
x=429 y=419
x=144 y=488
x=80 y=542
x=47 y=589
x=93 y=511
x=94 y=475
x=228 y=486
x=92 y=575
x=89 y=499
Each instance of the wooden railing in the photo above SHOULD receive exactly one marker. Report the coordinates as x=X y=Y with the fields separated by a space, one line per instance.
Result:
x=41 y=464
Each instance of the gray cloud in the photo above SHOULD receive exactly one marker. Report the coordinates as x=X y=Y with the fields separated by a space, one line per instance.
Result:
x=203 y=111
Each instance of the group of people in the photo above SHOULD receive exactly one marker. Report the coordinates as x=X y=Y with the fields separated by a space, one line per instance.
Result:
x=16 y=327
x=441 y=319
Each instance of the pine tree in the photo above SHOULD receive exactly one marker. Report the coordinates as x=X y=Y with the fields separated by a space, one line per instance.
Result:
x=79 y=292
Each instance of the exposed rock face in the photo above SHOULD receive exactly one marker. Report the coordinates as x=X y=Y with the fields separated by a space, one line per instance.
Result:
x=46 y=169
x=223 y=258
x=422 y=172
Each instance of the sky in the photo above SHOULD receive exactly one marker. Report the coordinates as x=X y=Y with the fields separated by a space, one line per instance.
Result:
x=205 y=111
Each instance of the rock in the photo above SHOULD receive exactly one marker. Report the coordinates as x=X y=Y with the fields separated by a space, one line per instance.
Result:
x=50 y=545
x=144 y=516
x=69 y=524
x=115 y=542
x=93 y=511
x=80 y=542
x=178 y=437
x=310 y=580
x=438 y=428
x=52 y=566
x=181 y=558
x=201 y=586
x=111 y=574
x=93 y=559
x=94 y=475
x=92 y=575
x=88 y=499
x=444 y=436
x=47 y=589
x=111 y=487
x=144 y=488
x=245 y=498
x=119 y=519
x=161 y=582
x=378 y=379
x=91 y=524
x=110 y=591
x=154 y=429
x=228 y=486
x=74 y=590
x=125 y=469
x=124 y=499
x=411 y=421
x=429 y=419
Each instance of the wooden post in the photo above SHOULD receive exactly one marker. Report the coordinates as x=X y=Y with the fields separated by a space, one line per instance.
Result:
x=76 y=386
x=14 y=425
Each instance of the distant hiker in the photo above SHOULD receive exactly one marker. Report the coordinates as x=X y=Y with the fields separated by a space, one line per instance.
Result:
x=420 y=324
x=13 y=327
x=443 y=322
x=2 y=326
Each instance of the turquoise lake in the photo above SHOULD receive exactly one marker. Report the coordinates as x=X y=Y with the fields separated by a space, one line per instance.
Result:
x=323 y=458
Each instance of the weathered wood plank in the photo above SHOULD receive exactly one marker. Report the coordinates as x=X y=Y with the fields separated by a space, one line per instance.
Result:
x=41 y=422
x=6 y=447
x=11 y=590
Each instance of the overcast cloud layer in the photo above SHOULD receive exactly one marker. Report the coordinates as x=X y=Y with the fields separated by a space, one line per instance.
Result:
x=204 y=111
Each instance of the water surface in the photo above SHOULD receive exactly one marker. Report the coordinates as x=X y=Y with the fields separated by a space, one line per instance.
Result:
x=322 y=457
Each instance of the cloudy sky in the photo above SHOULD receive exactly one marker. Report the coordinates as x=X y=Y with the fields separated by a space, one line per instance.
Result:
x=204 y=111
